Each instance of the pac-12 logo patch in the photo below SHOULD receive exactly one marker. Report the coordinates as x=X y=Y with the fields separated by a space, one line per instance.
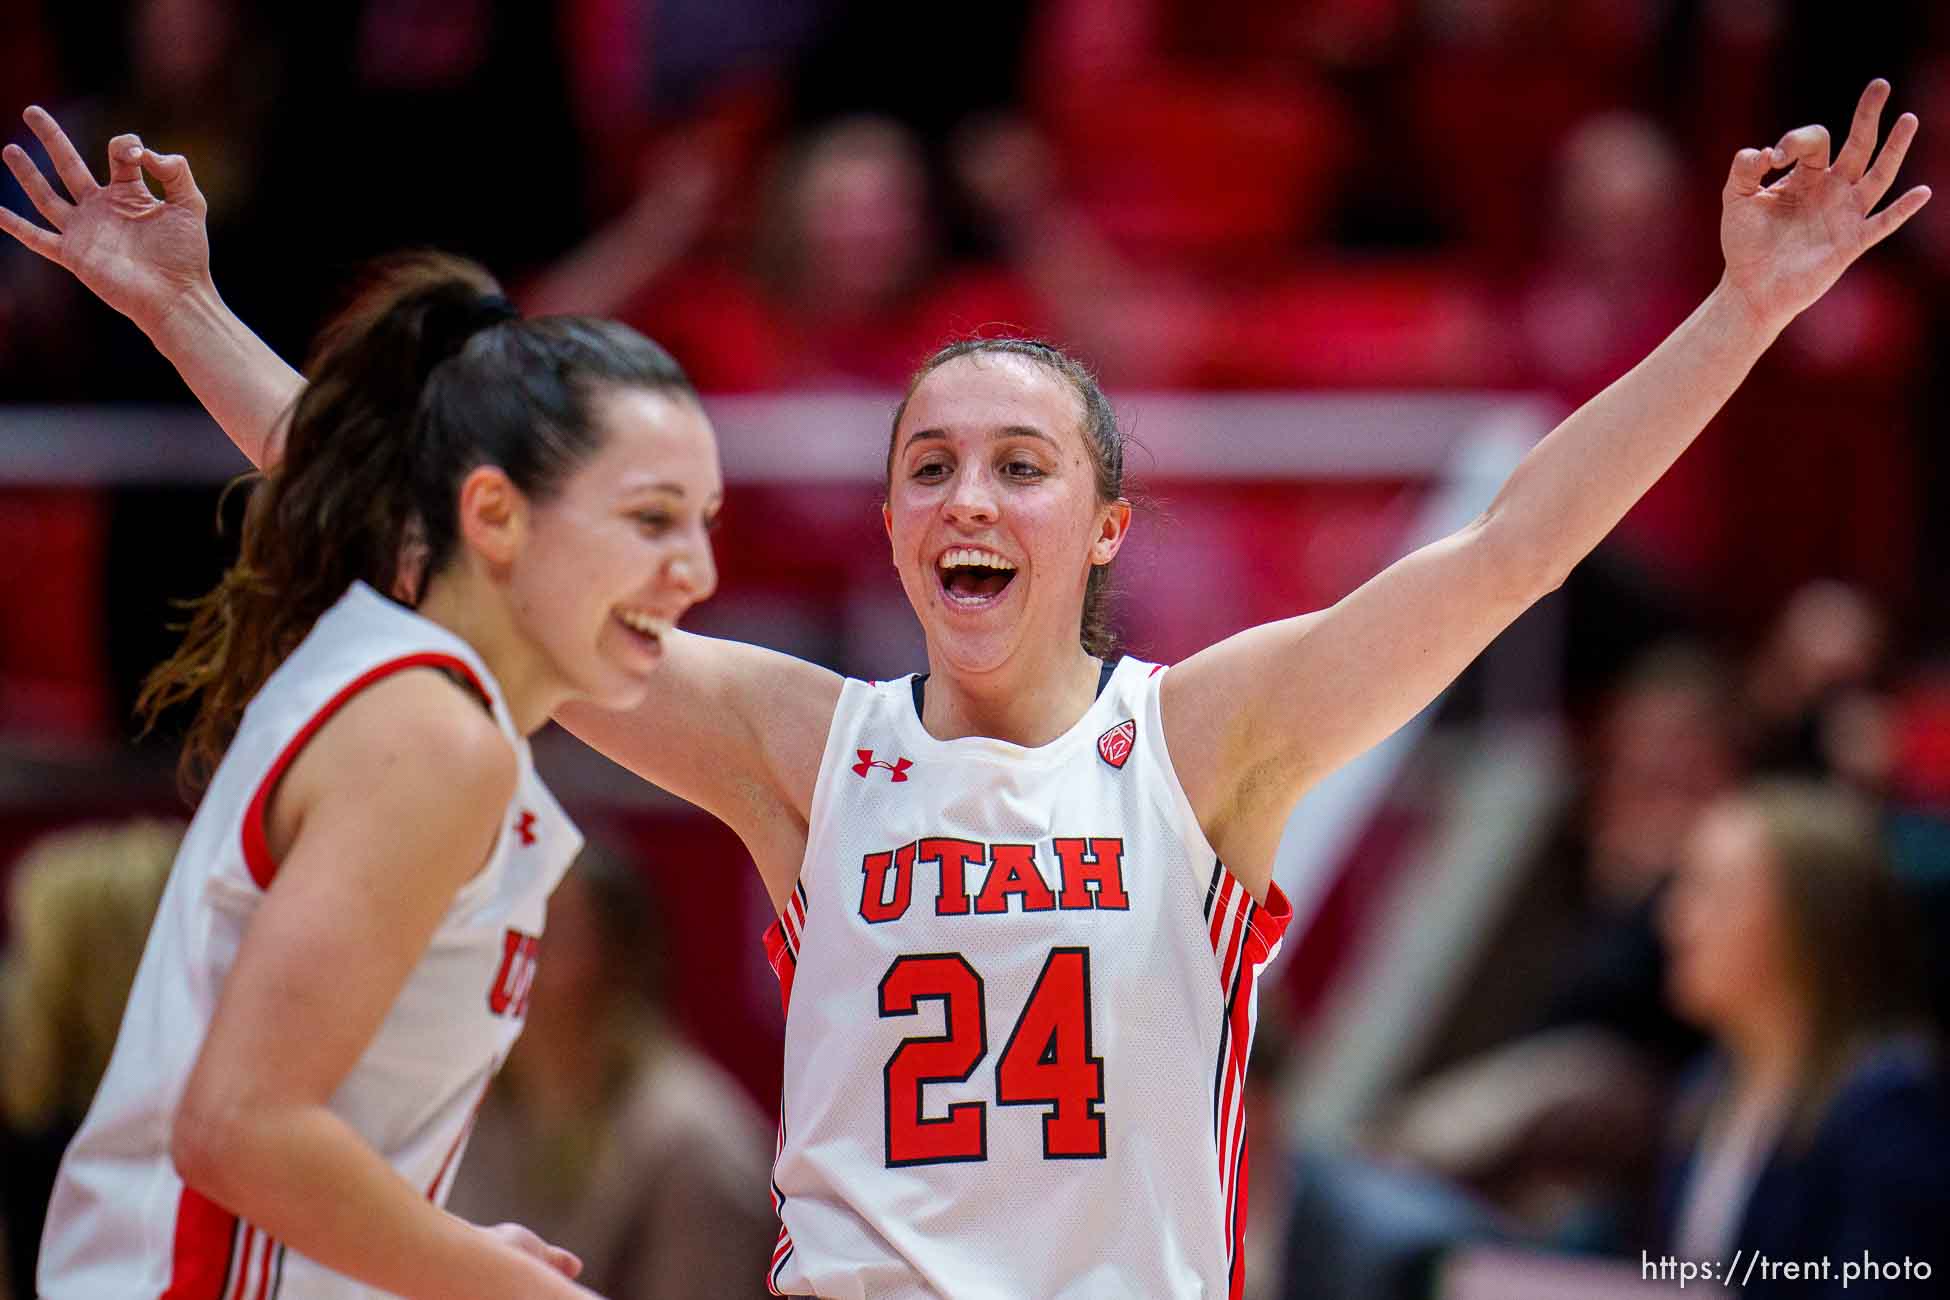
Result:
x=898 y=768
x=1115 y=745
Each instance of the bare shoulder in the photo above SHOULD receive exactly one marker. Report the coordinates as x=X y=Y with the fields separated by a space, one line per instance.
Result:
x=415 y=740
x=1212 y=705
x=424 y=716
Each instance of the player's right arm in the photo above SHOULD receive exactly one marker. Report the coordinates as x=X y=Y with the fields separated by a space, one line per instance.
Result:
x=753 y=722
x=386 y=813
x=149 y=259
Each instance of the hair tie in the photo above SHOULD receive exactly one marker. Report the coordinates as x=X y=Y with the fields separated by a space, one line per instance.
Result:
x=449 y=325
x=492 y=310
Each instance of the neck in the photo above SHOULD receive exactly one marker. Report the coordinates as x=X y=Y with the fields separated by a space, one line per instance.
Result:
x=464 y=602
x=1025 y=704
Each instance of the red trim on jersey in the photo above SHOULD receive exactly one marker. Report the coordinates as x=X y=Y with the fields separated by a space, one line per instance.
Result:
x=446 y=1163
x=782 y=940
x=1257 y=931
x=1236 y=1226
x=264 y=1270
x=257 y=850
x=781 y=1249
x=780 y=1253
x=782 y=944
x=783 y=963
x=200 y=1254
x=240 y=1264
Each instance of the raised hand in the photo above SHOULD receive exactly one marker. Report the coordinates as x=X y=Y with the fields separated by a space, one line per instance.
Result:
x=137 y=253
x=1787 y=242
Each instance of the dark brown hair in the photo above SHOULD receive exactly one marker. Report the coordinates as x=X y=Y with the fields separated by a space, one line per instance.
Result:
x=1101 y=436
x=425 y=376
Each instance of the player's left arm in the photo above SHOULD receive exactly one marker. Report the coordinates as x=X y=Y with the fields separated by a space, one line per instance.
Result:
x=1255 y=720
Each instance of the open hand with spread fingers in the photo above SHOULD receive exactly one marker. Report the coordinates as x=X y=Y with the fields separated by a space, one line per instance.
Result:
x=1787 y=242
x=138 y=253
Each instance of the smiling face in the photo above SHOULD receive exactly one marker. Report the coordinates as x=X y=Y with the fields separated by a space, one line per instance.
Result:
x=994 y=513
x=615 y=558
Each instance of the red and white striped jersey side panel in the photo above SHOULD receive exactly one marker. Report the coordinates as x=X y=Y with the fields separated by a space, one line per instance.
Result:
x=782 y=951
x=1244 y=938
x=221 y=1257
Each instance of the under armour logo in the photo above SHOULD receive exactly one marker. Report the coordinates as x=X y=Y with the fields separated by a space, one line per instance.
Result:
x=867 y=762
x=525 y=827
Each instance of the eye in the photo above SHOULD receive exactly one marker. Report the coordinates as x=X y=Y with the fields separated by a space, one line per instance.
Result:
x=931 y=471
x=1020 y=468
x=654 y=522
x=713 y=521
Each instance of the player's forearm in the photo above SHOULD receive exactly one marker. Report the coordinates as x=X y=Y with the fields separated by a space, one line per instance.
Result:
x=307 y=1180
x=245 y=386
x=1576 y=484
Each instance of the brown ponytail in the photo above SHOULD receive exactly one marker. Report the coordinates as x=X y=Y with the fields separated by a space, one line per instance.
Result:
x=423 y=377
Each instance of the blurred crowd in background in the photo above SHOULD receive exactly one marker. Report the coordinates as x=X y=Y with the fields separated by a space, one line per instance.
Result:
x=1700 y=984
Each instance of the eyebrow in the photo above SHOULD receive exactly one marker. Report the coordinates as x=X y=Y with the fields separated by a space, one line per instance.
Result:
x=1006 y=432
x=675 y=489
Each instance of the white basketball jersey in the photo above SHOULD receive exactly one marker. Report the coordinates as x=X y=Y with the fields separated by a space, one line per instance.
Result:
x=1019 y=996
x=121 y=1222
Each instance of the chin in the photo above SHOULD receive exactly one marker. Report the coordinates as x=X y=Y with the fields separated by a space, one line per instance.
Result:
x=964 y=653
x=621 y=689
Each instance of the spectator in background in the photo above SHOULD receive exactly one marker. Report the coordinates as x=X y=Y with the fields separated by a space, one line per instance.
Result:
x=1822 y=1126
x=1616 y=273
x=1613 y=280
x=1581 y=945
x=1919 y=816
x=1814 y=690
x=845 y=287
x=606 y=1132
x=79 y=910
x=1554 y=1115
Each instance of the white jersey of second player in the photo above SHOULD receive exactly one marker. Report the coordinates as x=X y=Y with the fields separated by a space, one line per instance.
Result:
x=1019 y=997
x=122 y=1223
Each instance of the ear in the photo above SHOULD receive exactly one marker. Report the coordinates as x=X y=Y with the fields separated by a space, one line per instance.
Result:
x=887 y=519
x=1113 y=526
x=493 y=515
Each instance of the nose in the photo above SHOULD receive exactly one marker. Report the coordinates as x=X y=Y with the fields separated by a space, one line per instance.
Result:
x=693 y=570
x=972 y=500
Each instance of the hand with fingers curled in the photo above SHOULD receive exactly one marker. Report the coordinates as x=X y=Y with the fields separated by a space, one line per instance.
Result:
x=141 y=254
x=565 y=1262
x=1787 y=242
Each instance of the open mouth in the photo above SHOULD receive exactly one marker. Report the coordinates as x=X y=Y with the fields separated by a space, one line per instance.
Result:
x=645 y=629
x=972 y=576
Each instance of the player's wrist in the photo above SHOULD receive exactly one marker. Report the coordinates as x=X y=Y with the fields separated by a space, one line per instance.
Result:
x=1735 y=315
x=186 y=319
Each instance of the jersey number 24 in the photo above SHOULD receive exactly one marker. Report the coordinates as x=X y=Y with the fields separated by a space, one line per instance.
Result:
x=1046 y=1062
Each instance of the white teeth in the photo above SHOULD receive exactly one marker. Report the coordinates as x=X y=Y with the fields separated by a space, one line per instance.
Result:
x=967 y=557
x=644 y=623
